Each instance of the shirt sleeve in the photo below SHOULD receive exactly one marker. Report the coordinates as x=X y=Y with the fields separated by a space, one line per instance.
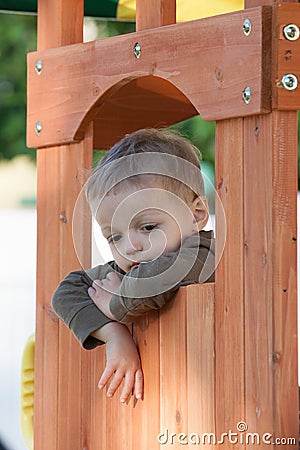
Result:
x=76 y=309
x=151 y=285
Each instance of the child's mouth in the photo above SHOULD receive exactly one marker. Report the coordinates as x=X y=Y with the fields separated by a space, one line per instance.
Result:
x=135 y=264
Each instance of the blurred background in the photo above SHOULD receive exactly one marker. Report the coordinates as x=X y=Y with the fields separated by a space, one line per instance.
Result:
x=17 y=201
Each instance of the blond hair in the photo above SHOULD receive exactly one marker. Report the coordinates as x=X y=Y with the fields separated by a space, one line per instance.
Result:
x=152 y=157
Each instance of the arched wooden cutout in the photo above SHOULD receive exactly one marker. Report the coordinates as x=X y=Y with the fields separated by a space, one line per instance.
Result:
x=133 y=104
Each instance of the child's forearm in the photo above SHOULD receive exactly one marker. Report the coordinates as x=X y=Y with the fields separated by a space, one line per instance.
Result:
x=73 y=305
x=110 y=331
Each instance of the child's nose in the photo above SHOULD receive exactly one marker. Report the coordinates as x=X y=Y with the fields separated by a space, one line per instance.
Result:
x=132 y=243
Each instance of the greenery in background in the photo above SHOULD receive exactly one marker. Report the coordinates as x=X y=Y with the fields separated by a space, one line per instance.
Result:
x=18 y=36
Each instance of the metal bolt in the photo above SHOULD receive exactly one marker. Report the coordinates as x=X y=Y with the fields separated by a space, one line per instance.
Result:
x=137 y=50
x=247 y=27
x=38 y=67
x=38 y=128
x=289 y=82
x=63 y=217
x=247 y=95
x=291 y=32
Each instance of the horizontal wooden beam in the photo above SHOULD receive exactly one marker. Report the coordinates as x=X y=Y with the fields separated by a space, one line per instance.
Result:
x=201 y=67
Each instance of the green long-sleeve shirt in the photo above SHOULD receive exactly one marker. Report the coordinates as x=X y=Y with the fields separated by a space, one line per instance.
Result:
x=145 y=287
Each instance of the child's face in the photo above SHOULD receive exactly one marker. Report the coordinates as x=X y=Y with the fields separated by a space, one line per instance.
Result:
x=141 y=224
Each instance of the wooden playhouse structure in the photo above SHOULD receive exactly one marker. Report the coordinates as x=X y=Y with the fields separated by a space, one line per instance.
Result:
x=228 y=362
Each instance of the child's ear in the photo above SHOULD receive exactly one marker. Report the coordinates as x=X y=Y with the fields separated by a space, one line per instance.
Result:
x=200 y=211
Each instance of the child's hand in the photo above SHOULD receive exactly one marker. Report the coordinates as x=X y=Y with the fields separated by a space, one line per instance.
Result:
x=122 y=362
x=102 y=290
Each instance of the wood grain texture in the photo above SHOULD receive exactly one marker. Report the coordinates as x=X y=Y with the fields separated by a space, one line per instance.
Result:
x=286 y=57
x=254 y=3
x=146 y=413
x=156 y=13
x=60 y=23
x=229 y=288
x=284 y=205
x=173 y=369
x=58 y=360
x=46 y=365
x=57 y=356
x=201 y=360
x=258 y=262
x=76 y=81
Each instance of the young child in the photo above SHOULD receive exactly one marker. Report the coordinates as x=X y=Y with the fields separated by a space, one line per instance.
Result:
x=147 y=194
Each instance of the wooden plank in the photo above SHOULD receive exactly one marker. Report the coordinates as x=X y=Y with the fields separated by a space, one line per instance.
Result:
x=119 y=427
x=94 y=420
x=229 y=288
x=46 y=346
x=285 y=366
x=53 y=186
x=76 y=81
x=60 y=23
x=270 y=268
x=81 y=236
x=56 y=197
x=286 y=57
x=73 y=159
x=146 y=413
x=258 y=274
x=254 y=3
x=173 y=371
x=155 y=13
x=200 y=363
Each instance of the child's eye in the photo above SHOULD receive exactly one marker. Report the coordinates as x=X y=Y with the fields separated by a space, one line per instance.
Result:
x=149 y=227
x=114 y=238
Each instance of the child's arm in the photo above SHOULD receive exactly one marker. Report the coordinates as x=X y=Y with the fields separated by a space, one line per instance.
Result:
x=73 y=305
x=122 y=361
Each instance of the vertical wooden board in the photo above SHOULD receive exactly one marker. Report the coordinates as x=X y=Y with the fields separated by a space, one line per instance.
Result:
x=54 y=254
x=285 y=153
x=173 y=372
x=200 y=364
x=46 y=346
x=119 y=428
x=229 y=289
x=94 y=405
x=60 y=23
x=146 y=412
x=156 y=13
x=258 y=274
x=73 y=159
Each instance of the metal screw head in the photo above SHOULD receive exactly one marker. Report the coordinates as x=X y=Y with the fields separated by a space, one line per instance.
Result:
x=38 y=128
x=38 y=67
x=247 y=27
x=137 y=50
x=289 y=82
x=291 y=32
x=247 y=95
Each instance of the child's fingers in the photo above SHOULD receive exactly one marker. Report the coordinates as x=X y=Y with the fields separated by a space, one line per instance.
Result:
x=105 y=377
x=91 y=292
x=112 y=276
x=97 y=284
x=127 y=387
x=139 y=384
x=115 y=382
